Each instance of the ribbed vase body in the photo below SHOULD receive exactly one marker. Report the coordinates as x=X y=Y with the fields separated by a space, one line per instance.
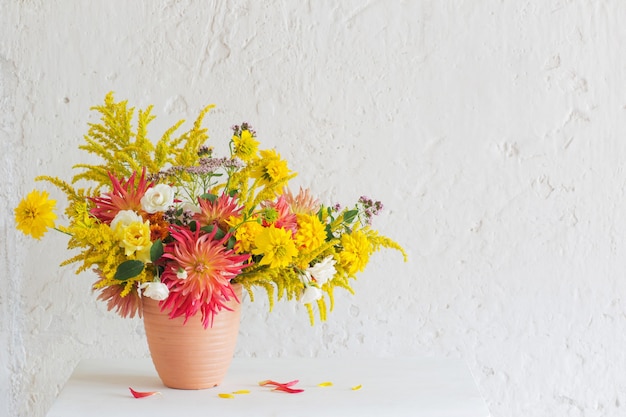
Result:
x=190 y=356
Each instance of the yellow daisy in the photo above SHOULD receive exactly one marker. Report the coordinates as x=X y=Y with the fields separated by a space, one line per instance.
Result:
x=246 y=146
x=276 y=246
x=271 y=167
x=34 y=215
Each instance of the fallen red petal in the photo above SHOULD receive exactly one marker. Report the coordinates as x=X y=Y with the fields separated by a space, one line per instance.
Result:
x=282 y=386
x=287 y=389
x=139 y=394
x=278 y=384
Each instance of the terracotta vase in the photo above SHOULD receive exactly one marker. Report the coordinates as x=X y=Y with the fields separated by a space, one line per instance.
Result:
x=190 y=356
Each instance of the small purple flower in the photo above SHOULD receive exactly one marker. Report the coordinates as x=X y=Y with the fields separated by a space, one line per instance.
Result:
x=368 y=208
x=244 y=126
x=178 y=216
x=205 y=151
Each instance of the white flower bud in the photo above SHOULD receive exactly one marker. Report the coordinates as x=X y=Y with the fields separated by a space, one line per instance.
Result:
x=155 y=290
x=181 y=273
x=310 y=294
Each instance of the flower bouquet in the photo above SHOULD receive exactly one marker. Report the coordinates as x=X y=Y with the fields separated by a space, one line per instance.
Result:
x=173 y=222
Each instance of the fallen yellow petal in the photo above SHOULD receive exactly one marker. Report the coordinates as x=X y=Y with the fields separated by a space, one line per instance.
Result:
x=226 y=395
x=241 y=391
x=325 y=384
x=357 y=387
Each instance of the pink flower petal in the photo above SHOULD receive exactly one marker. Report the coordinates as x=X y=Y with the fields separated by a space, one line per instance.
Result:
x=285 y=387
x=138 y=394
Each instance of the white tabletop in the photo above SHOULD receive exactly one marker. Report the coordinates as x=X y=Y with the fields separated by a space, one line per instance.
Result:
x=440 y=387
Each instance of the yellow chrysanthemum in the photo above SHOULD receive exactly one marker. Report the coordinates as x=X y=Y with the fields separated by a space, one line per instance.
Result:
x=271 y=167
x=34 y=215
x=276 y=246
x=246 y=146
x=356 y=252
x=311 y=232
x=246 y=234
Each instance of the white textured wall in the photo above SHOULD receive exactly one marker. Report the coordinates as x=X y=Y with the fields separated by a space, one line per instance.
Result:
x=494 y=132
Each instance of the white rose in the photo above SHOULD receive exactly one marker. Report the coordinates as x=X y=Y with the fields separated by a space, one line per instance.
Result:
x=125 y=218
x=155 y=290
x=323 y=271
x=157 y=198
x=310 y=294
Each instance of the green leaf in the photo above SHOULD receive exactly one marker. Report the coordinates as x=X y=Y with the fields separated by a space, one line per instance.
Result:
x=208 y=228
x=219 y=233
x=156 y=251
x=329 y=212
x=207 y=196
x=231 y=242
x=128 y=269
x=329 y=232
x=350 y=215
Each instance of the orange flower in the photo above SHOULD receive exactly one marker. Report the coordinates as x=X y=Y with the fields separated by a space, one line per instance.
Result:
x=159 y=228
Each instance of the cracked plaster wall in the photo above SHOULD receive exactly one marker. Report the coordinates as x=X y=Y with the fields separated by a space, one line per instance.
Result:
x=493 y=132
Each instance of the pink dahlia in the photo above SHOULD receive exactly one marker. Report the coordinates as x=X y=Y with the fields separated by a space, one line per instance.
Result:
x=126 y=306
x=198 y=272
x=125 y=195
x=279 y=215
x=218 y=211
x=303 y=202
